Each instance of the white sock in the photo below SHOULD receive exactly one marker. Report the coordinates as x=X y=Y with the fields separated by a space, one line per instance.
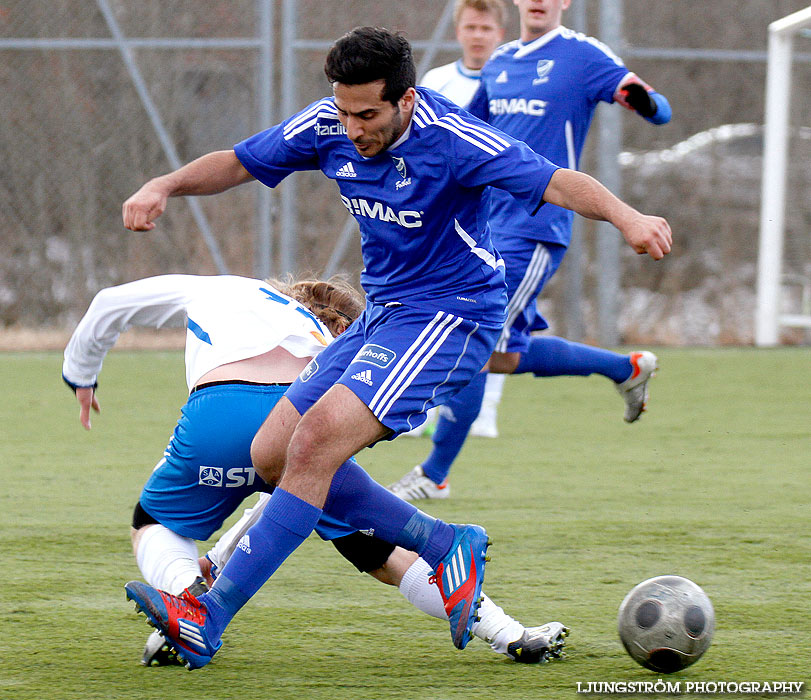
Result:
x=167 y=560
x=421 y=594
x=494 y=387
x=495 y=627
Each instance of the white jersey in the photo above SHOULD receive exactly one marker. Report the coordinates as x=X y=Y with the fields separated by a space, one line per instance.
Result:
x=454 y=81
x=227 y=318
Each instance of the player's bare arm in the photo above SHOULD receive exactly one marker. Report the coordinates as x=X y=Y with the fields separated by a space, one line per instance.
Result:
x=586 y=196
x=210 y=174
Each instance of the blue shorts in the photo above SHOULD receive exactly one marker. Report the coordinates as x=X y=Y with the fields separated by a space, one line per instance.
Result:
x=400 y=361
x=206 y=470
x=529 y=266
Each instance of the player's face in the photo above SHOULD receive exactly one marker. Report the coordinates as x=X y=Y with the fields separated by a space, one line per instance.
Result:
x=478 y=33
x=371 y=123
x=539 y=16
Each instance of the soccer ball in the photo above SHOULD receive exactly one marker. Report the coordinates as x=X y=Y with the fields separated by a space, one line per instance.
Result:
x=666 y=623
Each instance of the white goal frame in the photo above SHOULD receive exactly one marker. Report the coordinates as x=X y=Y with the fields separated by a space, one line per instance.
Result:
x=768 y=318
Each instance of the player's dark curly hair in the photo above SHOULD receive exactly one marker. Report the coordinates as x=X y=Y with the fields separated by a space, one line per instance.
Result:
x=336 y=302
x=367 y=54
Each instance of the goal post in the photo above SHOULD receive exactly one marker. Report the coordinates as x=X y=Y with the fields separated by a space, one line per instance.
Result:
x=768 y=318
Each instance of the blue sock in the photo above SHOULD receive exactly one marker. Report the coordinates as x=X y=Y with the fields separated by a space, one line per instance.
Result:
x=450 y=435
x=357 y=499
x=549 y=356
x=284 y=524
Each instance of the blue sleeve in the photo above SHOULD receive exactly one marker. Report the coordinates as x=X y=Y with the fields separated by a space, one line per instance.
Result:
x=273 y=154
x=602 y=71
x=485 y=156
x=479 y=104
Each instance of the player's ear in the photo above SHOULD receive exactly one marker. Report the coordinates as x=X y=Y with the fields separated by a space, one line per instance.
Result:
x=406 y=102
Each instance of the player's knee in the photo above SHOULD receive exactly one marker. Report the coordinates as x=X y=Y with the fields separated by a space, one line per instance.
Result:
x=267 y=457
x=304 y=445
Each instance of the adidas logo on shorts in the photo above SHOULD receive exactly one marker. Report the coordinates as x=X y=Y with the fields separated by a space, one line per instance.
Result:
x=364 y=376
x=346 y=170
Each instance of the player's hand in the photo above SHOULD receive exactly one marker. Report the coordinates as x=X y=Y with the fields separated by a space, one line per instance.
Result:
x=649 y=234
x=87 y=400
x=141 y=209
x=636 y=98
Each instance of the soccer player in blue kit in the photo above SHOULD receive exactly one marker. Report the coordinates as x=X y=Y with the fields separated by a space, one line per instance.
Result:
x=411 y=167
x=542 y=89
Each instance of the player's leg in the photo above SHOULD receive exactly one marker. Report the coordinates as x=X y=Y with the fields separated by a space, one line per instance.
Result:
x=551 y=356
x=528 y=266
x=413 y=577
x=486 y=423
x=205 y=474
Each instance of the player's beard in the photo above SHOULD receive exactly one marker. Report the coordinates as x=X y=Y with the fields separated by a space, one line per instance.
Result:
x=387 y=134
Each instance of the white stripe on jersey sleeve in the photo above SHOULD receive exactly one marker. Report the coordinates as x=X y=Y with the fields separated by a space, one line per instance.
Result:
x=479 y=144
x=326 y=103
x=487 y=134
x=303 y=127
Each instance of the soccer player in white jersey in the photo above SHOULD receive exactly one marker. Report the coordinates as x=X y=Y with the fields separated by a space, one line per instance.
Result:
x=411 y=167
x=246 y=341
x=542 y=89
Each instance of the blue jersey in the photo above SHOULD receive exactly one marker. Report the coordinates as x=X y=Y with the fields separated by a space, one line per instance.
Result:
x=424 y=234
x=545 y=93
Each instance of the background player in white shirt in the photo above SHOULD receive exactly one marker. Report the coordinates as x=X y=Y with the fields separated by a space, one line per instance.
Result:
x=542 y=89
x=479 y=29
x=246 y=340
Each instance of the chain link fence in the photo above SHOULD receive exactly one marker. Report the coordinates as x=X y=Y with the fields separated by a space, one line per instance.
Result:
x=78 y=139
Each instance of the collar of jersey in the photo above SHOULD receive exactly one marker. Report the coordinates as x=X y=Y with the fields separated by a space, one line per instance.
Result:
x=524 y=49
x=468 y=72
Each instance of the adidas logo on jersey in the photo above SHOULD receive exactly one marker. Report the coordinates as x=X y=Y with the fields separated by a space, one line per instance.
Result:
x=364 y=376
x=245 y=544
x=346 y=170
x=502 y=77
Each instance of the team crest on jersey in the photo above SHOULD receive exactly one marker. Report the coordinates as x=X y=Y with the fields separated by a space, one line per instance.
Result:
x=404 y=180
x=543 y=69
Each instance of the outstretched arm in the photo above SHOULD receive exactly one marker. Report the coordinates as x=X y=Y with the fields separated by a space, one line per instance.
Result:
x=586 y=196
x=212 y=173
x=153 y=302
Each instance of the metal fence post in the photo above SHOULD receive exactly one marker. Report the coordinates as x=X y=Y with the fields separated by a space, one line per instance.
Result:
x=609 y=145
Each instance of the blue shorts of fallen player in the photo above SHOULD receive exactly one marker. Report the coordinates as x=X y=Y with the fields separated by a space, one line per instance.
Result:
x=206 y=470
x=400 y=361
x=529 y=265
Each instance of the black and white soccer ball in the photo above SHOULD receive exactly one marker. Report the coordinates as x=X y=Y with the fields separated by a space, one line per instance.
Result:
x=666 y=623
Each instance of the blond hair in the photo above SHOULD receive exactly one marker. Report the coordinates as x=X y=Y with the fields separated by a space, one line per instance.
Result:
x=494 y=7
x=336 y=302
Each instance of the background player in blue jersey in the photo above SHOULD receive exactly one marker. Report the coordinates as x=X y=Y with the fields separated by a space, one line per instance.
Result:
x=411 y=167
x=542 y=89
